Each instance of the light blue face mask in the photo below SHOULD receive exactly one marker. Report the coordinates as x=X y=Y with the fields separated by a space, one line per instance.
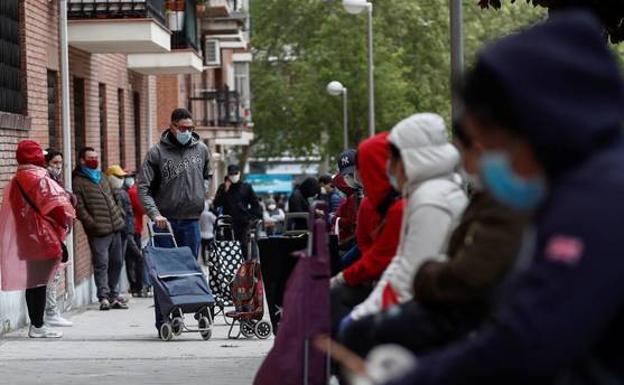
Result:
x=508 y=187
x=184 y=137
x=394 y=182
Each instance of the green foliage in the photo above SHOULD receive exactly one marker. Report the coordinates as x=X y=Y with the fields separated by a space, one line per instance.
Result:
x=300 y=46
x=611 y=12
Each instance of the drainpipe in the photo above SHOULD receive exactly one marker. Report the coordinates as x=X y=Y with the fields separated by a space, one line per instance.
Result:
x=67 y=152
x=150 y=113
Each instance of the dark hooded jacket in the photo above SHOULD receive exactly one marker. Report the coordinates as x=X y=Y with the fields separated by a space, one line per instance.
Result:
x=384 y=213
x=561 y=322
x=171 y=179
x=299 y=203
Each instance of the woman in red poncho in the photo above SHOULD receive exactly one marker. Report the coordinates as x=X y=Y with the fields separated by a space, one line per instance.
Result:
x=35 y=217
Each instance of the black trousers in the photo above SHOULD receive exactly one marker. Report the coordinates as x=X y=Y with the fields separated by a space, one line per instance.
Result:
x=206 y=245
x=343 y=299
x=411 y=326
x=134 y=263
x=36 y=302
x=241 y=234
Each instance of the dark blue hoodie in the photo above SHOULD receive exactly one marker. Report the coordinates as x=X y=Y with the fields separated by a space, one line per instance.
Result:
x=563 y=322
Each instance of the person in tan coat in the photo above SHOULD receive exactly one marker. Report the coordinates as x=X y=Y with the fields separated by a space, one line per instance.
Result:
x=103 y=221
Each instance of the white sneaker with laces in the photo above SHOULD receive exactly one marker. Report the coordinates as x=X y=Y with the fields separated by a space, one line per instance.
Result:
x=44 y=332
x=57 y=321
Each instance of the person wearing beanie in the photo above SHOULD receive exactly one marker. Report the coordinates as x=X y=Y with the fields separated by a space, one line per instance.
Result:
x=546 y=104
x=35 y=217
x=238 y=200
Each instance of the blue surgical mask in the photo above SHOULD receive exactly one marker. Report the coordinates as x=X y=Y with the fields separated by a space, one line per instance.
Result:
x=394 y=182
x=184 y=137
x=508 y=187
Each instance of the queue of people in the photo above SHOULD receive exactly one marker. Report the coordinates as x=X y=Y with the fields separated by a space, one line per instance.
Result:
x=519 y=282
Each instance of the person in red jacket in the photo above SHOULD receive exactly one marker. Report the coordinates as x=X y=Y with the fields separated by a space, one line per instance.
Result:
x=139 y=214
x=380 y=215
x=35 y=218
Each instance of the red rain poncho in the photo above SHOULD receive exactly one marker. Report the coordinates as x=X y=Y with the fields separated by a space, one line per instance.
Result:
x=31 y=237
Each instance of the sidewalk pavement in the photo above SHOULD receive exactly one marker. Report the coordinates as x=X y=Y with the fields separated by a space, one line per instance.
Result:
x=121 y=347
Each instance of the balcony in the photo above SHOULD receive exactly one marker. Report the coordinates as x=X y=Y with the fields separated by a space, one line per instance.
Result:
x=116 y=26
x=219 y=108
x=184 y=57
x=221 y=8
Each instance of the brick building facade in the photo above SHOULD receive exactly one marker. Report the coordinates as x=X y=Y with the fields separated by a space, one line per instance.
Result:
x=109 y=111
x=128 y=69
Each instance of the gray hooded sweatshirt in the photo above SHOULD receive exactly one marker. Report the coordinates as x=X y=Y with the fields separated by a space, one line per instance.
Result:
x=171 y=179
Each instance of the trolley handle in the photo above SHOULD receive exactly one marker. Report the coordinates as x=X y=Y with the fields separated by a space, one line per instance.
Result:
x=153 y=233
x=224 y=220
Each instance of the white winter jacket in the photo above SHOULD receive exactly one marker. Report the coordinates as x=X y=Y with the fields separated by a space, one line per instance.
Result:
x=435 y=204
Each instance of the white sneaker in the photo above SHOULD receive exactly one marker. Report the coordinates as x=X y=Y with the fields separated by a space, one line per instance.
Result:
x=44 y=332
x=57 y=321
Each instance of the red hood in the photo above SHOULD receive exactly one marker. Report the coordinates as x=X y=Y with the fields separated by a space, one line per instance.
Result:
x=371 y=164
x=29 y=152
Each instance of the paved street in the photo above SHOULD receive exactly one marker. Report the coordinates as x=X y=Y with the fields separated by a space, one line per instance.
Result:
x=120 y=347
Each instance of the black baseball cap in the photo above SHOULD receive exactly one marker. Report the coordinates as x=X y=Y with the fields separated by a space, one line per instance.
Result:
x=346 y=162
x=233 y=169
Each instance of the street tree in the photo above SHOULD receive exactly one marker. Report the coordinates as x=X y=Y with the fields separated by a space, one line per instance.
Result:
x=611 y=12
x=301 y=46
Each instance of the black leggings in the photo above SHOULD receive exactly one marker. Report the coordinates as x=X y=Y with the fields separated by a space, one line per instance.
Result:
x=36 y=302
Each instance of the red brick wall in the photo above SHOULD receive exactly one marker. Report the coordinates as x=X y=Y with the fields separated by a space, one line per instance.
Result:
x=40 y=37
x=168 y=95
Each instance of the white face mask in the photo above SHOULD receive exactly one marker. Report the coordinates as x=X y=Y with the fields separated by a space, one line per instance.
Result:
x=272 y=207
x=323 y=190
x=115 y=182
x=235 y=178
x=55 y=171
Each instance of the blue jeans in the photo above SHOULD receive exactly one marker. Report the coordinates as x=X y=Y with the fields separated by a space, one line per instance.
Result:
x=186 y=233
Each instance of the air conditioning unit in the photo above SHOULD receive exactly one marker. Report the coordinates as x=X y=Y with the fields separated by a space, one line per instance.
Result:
x=212 y=53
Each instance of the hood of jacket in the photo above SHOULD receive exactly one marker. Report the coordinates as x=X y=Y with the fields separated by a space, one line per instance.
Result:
x=372 y=162
x=310 y=187
x=425 y=150
x=169 y=141
x=561 y=84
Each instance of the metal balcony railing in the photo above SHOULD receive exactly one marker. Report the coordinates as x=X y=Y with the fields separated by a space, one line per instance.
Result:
x=117 y=9
x=220 y=108
x=183 y=26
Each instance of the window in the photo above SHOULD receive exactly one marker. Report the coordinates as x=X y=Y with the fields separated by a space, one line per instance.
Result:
x=11 y=96
x=53 y=129
x=241 y=80
x=122 y=127
x=103 y=124
x=136 y=98
x=80 y=137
